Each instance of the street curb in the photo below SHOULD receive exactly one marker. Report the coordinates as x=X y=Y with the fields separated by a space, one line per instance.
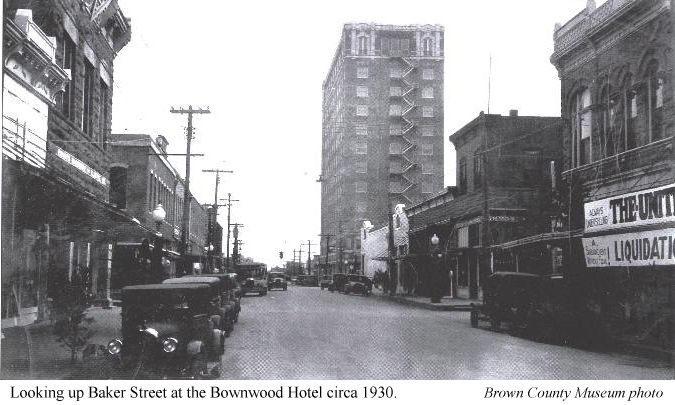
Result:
x=425 y=305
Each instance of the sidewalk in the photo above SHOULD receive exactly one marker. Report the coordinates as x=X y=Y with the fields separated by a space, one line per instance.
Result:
x=32 y=352
x=446 y=304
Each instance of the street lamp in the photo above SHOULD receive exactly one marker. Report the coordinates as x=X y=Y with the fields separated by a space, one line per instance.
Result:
x=158 y=215
x=435 y=269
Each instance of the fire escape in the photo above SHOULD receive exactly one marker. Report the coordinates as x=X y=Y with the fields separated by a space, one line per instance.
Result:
x=407 y=131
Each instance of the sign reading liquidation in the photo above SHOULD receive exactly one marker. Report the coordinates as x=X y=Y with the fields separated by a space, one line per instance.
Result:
x=652 y=206
x=631 y=249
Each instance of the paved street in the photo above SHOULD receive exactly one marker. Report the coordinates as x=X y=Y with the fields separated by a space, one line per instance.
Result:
x=306 y=333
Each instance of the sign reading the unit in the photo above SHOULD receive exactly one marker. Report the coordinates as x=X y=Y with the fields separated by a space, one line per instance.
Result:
x=653 y=206
x=631 y=249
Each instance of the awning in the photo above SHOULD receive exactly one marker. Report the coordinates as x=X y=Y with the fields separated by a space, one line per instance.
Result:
x=542 y=237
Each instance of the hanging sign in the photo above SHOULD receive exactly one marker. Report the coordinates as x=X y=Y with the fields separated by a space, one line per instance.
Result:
x=651 y=206
x=647 y=248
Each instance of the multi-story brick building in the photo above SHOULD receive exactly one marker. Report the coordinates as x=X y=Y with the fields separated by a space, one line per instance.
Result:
x=56 y=215
x=504 y=192
x=141 y=179
x=615 y=64
x=382 y=141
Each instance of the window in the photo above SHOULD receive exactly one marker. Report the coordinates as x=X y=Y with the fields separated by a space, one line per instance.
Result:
x=474 y=235
x=582 y=126
x=477 y=171
x=361 y=130
x=118 y=187
x=427 y=111
x=362 y=72
x=428 y=92
x=361 y=148
x=427 y=184
x=361 y=186
x=361 y=91
x=396 y=167
x=103 y=116
x=427 y=149
x=427 y=47
x=88 y=98
x=363 y=45
x=362 y=110
x=395 y=186
x=395 y=129
x=463 y=237
x=462 y=176
x=395 y=72
x=395 y=148
x=428 y=74
x=606 y=109
x=395 y=91
x=395 y=110
x=427 y=131
x=630 y=98
x=66 y=98
x=427 y=168
x=361 y=166
x=655 y=104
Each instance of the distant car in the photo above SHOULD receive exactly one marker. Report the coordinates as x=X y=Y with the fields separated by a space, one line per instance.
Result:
x=338 y=282
x=325 y=281
x=254 y=285
x=307 y=281
x=276 y=280
x=358 y=284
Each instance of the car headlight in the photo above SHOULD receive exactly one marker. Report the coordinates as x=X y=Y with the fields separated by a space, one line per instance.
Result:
x=169 y=345
x=114 y=346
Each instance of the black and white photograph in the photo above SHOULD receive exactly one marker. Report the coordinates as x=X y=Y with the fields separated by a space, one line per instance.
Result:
x=338 y=191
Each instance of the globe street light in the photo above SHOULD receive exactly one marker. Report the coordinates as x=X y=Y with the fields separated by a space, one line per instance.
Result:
x=158 y=215
x=435 y=269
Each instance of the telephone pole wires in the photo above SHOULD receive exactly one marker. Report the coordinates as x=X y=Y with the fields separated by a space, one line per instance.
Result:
x=212 y=224
x=185 y=226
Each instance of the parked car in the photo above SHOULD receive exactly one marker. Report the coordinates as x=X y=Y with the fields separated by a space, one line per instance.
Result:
x=235 y=293
x=228 y=302
x=338 y=282
x=358 y=284
x=507 y=297
x=276 y=280
x=325 y=281
x=254 y=285
x=168 y=331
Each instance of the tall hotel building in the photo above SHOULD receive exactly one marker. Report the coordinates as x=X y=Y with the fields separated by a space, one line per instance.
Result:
x=382 y=141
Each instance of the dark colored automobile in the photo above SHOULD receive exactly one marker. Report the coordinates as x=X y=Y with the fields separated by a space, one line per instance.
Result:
x=228 y=303
x=235 y=293
x=507 y=297
x=276 y=280
x=168 y=331
x=338 y=282
x=307 y=281
x=325 y=281
x=358 y=284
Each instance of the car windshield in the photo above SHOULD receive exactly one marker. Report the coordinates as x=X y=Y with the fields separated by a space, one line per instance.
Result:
x=276 y=275
x=361 y=279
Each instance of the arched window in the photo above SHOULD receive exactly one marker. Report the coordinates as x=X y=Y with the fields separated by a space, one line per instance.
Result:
x=363 y=45
x=654 y=103
x=582 y=127
x=427 y=47
x=605 y=130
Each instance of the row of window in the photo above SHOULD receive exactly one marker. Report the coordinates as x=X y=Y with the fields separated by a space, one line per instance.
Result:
x=426 y=149
x=161 y=194
x=395 y=110
x=395 y=129
x=65 y=101
x=395 y=72
x=622 y=119
x=394 y=45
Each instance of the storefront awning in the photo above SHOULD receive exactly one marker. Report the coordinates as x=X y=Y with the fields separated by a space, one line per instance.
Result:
x=541 y=238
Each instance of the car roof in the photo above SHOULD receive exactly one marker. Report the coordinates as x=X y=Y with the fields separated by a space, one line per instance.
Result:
x=512 y=274
x=207 y=275
x=192 y=280
x=170 y=287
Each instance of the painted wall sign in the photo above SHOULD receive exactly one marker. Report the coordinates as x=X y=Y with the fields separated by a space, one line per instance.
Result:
x=81 y=166
x=652 y=206
x=631 y=249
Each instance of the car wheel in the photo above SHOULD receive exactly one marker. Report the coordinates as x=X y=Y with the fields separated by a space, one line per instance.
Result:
x=198 y=366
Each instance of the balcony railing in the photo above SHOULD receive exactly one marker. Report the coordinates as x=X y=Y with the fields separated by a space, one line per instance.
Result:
x=20 y=143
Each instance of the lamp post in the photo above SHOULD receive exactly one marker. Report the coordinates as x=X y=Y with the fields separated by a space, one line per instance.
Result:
x=435 y=270
x=158 y=215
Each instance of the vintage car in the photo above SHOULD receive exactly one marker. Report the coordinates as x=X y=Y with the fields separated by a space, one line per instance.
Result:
x=338 y=282
x=276 y=280
x=168 y=331
x=507 y=297
x=254 y=285
x=358 y=284
x=307 y=280
x=234 y=289
x=325 y=281
x=221 y=282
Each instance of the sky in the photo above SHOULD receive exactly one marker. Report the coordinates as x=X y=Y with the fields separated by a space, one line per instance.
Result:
x=258 y=65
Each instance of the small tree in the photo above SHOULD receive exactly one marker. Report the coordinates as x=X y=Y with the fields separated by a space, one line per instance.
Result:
x=70 y=304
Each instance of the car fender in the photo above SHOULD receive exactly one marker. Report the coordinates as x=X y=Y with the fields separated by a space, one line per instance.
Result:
x=194 y=347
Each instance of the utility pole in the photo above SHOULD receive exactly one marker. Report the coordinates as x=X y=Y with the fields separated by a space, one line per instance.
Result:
x=185 y=226
x=227 y=243
x=300 y=260
x=327 y=236
x=212 y=225
x=295 y=270
x=235 y=232
x=309 y=257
